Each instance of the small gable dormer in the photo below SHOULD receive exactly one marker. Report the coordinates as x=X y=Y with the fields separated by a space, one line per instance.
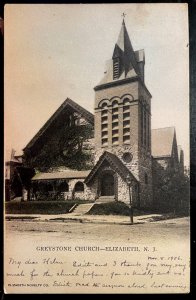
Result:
x=117 y=62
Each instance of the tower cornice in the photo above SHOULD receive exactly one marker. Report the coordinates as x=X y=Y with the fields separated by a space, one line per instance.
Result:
x=115 y=83
x=121 y=82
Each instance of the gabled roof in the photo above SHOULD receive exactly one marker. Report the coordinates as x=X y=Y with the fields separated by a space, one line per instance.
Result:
x=115 y=163
x=162 y=141
x=68 y=174
x=67 y=103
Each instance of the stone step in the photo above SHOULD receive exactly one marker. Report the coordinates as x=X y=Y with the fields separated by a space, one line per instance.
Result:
x=82 y=209
x=105 y=199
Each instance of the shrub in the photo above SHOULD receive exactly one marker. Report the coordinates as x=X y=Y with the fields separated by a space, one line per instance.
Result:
x=111 y=208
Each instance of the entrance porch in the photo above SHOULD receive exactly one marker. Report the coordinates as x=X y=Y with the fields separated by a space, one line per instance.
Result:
x=109 y=179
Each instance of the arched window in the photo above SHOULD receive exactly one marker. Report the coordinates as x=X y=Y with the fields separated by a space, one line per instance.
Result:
x=115 y=103
x=126 y=101
x=104 y=124
x=79 y=187
x=63 y=187
x=104 y=110
x=104 y=105
x=126 y=120
x=115 y=132
x=146 y=179
x=145 y=125
x=115 y=108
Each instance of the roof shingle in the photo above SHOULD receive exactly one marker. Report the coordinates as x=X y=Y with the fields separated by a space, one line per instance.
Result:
x=162 y=141
x=68 y=174
x=68 y=102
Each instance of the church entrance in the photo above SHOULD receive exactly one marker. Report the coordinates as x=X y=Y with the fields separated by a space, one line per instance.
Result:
x=107 y=185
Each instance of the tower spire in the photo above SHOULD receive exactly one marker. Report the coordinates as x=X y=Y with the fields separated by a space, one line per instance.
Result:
x=124 y=49
x=123 y=16
x=125 y=62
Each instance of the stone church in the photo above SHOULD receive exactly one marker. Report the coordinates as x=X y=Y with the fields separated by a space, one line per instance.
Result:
x=101 y=157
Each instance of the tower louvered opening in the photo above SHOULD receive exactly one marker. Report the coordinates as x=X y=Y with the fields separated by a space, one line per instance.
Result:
x=116 y=68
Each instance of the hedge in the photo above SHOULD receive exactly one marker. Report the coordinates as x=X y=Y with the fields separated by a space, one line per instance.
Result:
x=38 y=207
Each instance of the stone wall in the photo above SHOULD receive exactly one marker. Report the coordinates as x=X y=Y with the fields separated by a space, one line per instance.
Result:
x=117 y=91
x=87 y=194
x=141 y=163
x=108 y=95
x=123 y=192
x=71 y=194
x=144 y=93
x=119 y=151
x=91 y=192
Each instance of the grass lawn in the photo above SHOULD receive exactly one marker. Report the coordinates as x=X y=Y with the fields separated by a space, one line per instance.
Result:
x=40 y=207
x=63 y=207
x=111 y=208
x=120 y=208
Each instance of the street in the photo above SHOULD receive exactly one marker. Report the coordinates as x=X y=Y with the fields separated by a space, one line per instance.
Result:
x=167 y=231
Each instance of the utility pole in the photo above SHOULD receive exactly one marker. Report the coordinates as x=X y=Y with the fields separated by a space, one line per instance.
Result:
x=129 y=183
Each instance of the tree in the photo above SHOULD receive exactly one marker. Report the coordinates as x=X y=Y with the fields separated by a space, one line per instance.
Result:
x=171 y=189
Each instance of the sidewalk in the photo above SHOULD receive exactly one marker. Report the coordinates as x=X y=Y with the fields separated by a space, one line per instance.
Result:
x=71 y=217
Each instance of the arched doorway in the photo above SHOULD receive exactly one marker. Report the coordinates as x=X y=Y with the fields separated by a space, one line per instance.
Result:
x=107 y=184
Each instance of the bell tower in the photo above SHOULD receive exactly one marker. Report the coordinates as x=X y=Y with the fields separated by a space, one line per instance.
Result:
x=123 y=113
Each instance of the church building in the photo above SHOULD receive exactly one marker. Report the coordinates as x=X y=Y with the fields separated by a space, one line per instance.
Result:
x=102 y=157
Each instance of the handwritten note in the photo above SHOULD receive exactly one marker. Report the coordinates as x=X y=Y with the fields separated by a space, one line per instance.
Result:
x=108 y=269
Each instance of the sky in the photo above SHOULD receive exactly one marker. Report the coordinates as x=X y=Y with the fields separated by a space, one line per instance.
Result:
x=57 y=51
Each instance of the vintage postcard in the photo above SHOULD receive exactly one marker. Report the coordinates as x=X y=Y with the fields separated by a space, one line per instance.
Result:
x=96 y=149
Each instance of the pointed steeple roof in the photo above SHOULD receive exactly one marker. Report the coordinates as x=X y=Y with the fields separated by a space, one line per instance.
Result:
x=123 y=39
x=125 y=45
x=123 y=22
x=129 y=63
